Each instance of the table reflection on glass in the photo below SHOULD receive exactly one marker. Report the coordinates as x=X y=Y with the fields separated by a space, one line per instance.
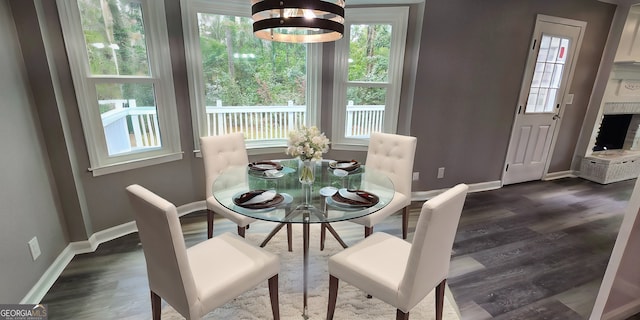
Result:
x=301 y=203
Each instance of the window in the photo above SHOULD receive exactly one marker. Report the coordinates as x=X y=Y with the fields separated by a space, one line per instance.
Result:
x=547 y=75
x=368 y=75
x=121 y=71
x=238 y=82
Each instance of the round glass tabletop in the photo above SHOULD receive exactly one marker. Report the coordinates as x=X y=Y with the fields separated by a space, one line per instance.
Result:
x=272 y=191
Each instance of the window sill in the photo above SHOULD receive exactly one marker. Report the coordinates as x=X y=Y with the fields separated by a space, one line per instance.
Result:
x=349 y=147
x=254 y=151
x=134 y=164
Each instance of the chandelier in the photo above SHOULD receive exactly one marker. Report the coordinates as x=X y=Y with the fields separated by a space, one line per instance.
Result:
x=298 y=21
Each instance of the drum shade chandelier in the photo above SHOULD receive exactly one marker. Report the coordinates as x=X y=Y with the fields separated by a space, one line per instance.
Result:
x=298 y=21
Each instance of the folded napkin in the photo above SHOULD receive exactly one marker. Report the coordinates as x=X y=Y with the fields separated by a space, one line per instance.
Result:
x=258 y=199
x=264 y=165
x=355 y=197
x=347 y=165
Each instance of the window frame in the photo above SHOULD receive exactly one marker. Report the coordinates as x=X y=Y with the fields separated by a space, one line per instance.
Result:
x=193 y=56
x=161 y=77
x=398 y=18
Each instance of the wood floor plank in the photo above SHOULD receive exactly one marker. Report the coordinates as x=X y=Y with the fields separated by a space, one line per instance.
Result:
x=534 y=250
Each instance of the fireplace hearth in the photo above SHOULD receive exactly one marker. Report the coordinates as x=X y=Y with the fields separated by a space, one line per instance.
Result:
x=616 y=153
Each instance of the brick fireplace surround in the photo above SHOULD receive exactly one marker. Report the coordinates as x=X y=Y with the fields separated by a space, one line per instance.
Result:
x=609 y=166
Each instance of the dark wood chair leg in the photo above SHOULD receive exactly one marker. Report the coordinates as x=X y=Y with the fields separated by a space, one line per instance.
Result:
x=323 y=235
x=156 y=303
x=333 y=296
x=405 y=222
x=440 y=298
x=273 y=294
x=241 y=231
x=401 y=315
x=209 y=224
x=289 y=237
x=368 y=231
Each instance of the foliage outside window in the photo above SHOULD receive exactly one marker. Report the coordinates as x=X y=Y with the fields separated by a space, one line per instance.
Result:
x=368 y=75
x=122 y=76
x=241 y=83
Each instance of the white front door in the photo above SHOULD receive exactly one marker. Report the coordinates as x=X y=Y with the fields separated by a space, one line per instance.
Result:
x=552 y=57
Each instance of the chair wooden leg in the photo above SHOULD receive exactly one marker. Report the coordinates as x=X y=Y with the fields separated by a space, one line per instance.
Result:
x=405 y=222
x=440 y=298
x=156 y=303
x=401 y=315
x=273 y=294
x=368 y=231
x=289 y=237
x=241 y=231
x=323 y=235
x=209 y=224
x=333 y=296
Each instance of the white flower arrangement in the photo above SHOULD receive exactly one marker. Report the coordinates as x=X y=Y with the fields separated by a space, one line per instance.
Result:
x=307 y=143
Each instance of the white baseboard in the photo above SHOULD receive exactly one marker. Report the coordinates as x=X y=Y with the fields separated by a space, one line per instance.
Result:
x=623 y=312
x=560 y=175
x=191 y=207
x=38 y=291
x=474 y=187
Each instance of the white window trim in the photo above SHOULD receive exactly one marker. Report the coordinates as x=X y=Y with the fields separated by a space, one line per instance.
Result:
x=397 y=17
x=154 y=19
x=190 y=9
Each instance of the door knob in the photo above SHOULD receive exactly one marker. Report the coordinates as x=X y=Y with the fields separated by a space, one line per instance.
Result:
x=556 y=117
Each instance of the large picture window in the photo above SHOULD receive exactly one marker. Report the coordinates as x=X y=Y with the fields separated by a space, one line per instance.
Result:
x=368 y=75
x=239 y=83
x=122 y=76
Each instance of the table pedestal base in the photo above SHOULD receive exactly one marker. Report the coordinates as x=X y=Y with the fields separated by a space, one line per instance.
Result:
x=306 y=212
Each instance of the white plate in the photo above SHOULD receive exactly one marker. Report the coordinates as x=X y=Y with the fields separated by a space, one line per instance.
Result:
x=340 y=173
x=273 y=174
x=328 y=191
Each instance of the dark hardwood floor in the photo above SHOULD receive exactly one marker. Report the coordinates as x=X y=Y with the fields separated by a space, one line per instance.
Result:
x=535 y=250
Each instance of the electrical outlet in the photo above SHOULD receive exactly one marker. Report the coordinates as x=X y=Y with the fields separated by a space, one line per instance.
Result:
x=440 y=172
x=34 y=247
x=416 y=176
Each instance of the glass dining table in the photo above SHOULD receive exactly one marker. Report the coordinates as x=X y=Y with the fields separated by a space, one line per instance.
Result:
x=289 y=201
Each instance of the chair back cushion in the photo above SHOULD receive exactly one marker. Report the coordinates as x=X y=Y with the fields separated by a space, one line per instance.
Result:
x=164 y=249
x=220 y=152
x=393 y=154
x=428 y=262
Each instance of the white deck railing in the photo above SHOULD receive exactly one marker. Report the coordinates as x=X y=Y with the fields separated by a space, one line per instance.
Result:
x=128 y=127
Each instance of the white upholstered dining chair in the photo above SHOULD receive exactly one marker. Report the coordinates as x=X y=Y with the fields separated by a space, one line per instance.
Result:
x=393 y=155
x=401 y=273
x=196 y=280
x=219 y=153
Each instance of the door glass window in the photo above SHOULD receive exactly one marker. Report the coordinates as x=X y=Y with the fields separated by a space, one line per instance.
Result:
x=547 y=76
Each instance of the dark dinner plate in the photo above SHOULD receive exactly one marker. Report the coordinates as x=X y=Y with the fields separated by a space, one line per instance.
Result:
x=365 y=199
x=242 y=199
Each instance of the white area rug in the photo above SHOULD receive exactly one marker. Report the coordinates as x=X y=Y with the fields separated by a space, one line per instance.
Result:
x=352 y=303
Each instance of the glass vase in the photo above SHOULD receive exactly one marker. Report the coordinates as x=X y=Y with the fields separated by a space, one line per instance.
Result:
x=306 y=171
x=306 y=175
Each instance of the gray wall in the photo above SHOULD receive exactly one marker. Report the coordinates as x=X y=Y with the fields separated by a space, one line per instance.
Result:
x=29 y=203
x=472 y=58
x=470 y=67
